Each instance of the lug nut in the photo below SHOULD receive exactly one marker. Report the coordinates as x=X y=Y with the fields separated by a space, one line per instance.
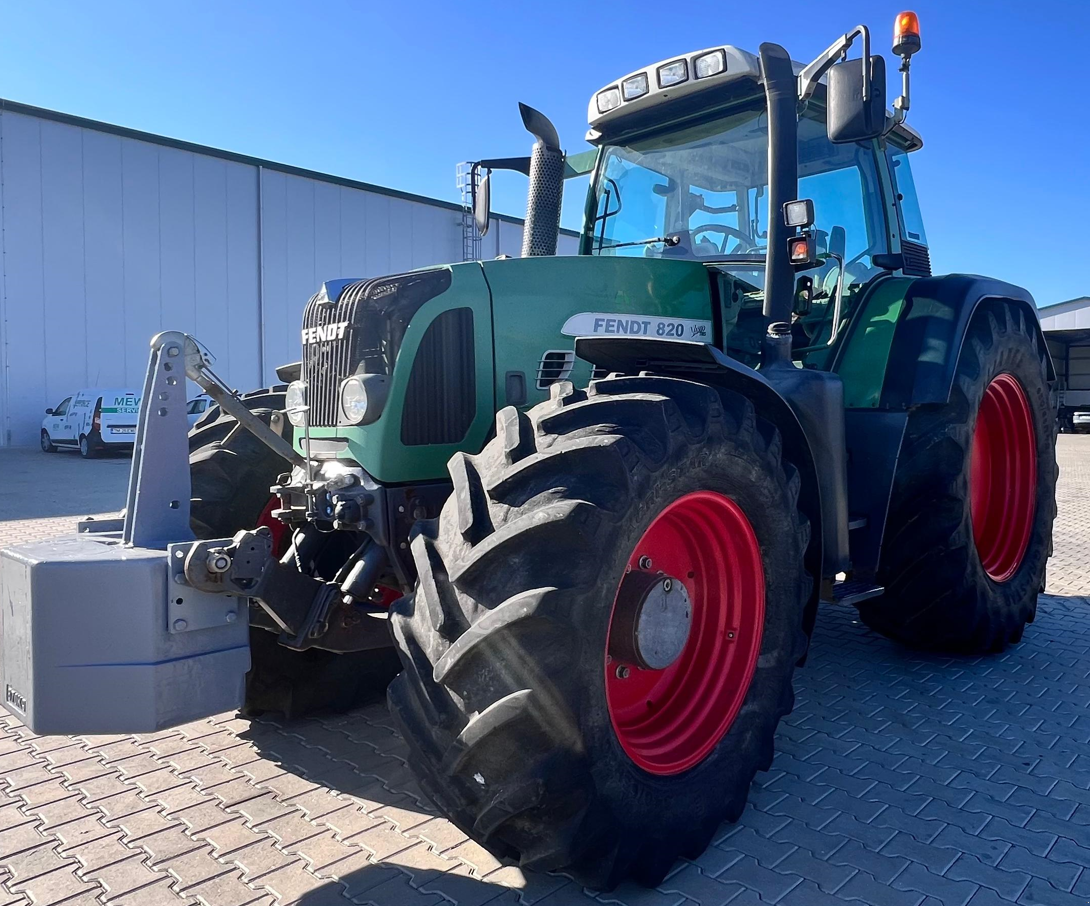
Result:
x=645 y=562
x=623 y=672
x=667 y=585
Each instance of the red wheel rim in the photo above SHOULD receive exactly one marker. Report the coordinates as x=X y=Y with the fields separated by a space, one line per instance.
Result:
x=669 y=720
x=1003 y=478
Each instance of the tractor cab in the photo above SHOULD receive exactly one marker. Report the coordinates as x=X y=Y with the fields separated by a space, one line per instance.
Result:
x=683 y=173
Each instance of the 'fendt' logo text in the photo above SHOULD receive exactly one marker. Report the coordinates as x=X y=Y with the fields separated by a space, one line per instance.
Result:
x=14 y=699
x=325 y=333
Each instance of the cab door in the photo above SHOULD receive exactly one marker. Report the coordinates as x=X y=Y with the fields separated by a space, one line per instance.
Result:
x=58 y=422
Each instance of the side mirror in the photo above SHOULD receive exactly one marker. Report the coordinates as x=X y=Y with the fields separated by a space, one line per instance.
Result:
x=482 y=205
x=851 y=117
x=48 y=411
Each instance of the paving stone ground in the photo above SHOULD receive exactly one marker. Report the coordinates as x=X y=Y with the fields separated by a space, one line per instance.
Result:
x=900 y=778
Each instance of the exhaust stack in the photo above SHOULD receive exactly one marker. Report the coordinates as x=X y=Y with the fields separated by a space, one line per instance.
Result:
x=539 y=236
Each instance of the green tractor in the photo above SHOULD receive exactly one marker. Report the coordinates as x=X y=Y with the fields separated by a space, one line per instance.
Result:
x=591 y=503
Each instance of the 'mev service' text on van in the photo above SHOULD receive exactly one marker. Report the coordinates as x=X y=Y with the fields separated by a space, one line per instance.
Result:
x=93 y=421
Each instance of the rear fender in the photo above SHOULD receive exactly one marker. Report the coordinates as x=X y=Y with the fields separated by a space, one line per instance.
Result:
x=704 y=363
x=929 y=336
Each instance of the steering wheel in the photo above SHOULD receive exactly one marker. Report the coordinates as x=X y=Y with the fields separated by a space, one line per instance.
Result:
x=727 y=231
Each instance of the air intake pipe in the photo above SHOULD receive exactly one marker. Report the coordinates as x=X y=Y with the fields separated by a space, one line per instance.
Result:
x=539 y=235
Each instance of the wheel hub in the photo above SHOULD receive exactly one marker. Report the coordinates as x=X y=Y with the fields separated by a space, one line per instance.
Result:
x=651 y=620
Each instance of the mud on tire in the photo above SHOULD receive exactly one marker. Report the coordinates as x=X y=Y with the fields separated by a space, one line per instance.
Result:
x=938 y=592
x=502 y=695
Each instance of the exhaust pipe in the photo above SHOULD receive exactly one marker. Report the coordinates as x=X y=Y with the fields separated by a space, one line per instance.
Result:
x=539 y=235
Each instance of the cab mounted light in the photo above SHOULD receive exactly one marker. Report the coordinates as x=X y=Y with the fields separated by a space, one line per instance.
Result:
x=635 y=86
x=906 y=42
x=906 y=34
x=673 y=73
x=802 y=251
x=609 y=99
x=799 y=213
x=709 y=64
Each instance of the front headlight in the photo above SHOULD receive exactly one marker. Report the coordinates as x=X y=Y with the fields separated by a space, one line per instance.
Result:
x=353 y=401
x=296 y=403
x=362 y=398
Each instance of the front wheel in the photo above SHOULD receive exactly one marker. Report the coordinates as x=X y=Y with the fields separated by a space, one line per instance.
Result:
x=47 y=443
x=602 y=639
x=974 y=497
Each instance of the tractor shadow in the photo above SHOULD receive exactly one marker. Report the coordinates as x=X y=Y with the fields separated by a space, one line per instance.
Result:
x=882 y=739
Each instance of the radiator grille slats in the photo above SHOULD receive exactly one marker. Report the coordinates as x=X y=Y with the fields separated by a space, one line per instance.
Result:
x=359 y=330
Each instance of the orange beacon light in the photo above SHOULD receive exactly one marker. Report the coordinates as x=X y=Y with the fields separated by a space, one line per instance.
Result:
x=906 y=34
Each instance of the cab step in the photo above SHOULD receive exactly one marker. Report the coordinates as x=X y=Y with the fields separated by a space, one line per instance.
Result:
x=852 y=592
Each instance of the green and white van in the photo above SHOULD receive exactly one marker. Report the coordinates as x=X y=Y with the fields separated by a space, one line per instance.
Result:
x=92 y=421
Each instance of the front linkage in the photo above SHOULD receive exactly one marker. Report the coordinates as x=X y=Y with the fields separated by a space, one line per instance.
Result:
x=137 y=603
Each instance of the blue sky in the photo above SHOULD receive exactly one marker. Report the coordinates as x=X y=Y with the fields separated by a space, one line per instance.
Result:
x=396 y=93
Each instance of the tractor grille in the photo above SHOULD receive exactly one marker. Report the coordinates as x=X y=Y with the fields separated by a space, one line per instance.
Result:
x=359 y=331
x=917 y=259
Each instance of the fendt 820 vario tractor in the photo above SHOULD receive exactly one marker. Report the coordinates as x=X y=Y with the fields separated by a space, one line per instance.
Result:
x=591 y=502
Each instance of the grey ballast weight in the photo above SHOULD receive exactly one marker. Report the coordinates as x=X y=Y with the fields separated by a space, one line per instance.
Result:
x=99 y=632
x=87 y=648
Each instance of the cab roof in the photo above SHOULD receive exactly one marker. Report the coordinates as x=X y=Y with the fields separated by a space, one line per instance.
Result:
x=741 y=67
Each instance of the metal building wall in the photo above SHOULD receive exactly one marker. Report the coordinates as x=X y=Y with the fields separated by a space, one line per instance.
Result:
x=110 y=236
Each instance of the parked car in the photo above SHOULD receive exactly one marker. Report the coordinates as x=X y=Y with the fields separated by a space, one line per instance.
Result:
x=196 y=407
x=1080 y=422
x=92 y=421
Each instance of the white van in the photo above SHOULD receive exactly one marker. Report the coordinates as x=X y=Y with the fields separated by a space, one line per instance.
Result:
x=92 y=420
x=196 y=407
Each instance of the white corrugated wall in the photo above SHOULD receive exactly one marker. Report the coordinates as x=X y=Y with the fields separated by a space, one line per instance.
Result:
x=108 y=239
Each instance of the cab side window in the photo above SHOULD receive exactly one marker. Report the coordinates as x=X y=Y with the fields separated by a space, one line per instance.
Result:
x=62 y=407
x=908 y=205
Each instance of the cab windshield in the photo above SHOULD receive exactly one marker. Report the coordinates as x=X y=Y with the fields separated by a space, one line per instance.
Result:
x=702 y=193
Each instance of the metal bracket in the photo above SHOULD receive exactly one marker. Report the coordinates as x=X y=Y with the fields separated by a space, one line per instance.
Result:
x=198 y=370
x=157 y=503
x=813 y=71
x=189 y=609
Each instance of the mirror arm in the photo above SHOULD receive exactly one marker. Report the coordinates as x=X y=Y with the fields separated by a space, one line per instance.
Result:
x=812 y=73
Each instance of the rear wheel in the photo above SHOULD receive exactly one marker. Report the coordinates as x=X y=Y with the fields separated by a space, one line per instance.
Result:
x=605 y=627
x=47 y=443
x=86 y=448
x=970 y=521
x=231 y=473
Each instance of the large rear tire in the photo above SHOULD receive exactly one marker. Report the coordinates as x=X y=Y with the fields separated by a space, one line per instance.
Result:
x=970 y=521
x=526 y=724
x=231 y=474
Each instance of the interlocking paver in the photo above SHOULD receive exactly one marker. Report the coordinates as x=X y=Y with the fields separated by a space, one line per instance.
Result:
x=901 y=778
